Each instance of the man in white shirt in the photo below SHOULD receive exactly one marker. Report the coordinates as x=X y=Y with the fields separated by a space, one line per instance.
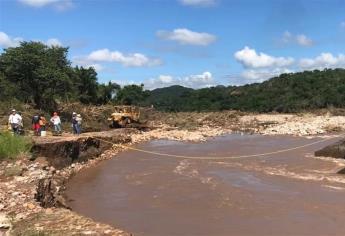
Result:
x=57 y=123
x=15 y=120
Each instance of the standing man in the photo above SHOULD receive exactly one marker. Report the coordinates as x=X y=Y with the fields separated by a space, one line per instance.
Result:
x=56 y=121
x=15 y=120
x=74 y=122
x=79 y=121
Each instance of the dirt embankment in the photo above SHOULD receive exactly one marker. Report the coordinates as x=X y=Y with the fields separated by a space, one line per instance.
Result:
x=58 y=158
x=31 y=196
x=62 y=151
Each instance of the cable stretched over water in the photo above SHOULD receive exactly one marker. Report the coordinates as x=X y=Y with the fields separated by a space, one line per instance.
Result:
x=220 y=157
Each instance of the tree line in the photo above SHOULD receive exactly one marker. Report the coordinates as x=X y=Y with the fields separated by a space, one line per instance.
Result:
x=40 y=75
x=292 y=92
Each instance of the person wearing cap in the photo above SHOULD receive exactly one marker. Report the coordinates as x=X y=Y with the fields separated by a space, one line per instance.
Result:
x=56 y=121
x=15 y=120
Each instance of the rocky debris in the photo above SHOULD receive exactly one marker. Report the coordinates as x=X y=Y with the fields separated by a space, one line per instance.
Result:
x=5 y=222
x=336 y=150
x=298 y=125
x=48 y=192
x=166 y=132
x=59 y=221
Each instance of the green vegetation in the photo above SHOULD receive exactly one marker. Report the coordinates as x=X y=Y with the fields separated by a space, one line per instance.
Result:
x=43 y=77
x=293 y=92
x=11 y=145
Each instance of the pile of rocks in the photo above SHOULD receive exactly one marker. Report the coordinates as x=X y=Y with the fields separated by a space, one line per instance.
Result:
x=298 y=125
x=165 y=132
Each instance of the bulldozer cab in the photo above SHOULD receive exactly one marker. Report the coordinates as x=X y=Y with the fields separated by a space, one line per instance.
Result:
x=124 y=115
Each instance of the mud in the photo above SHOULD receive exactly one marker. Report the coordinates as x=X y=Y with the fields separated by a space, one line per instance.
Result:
x=291 y=193
x=62 y=151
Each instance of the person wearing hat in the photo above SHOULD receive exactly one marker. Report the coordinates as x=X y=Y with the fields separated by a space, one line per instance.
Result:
x=15 y=120
x=56 y=121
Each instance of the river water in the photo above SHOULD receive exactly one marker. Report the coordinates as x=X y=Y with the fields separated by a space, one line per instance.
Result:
x=291 y=193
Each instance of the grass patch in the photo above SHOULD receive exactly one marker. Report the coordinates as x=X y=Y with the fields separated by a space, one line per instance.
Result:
x=11 y=146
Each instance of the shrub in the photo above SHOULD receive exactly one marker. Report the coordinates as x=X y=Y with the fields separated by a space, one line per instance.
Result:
x=11 y=146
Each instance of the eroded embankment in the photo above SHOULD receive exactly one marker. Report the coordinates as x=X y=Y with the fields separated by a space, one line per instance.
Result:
x=31 y=198
x=63 y=151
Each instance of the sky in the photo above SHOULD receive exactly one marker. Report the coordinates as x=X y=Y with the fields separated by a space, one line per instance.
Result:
x=194 y=43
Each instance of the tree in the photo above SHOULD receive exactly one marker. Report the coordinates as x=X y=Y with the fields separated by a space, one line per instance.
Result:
x=85 y=81
x=106 y=93
x=39 y=72
x=132 y=95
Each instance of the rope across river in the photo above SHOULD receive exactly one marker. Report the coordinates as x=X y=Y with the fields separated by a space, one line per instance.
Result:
x=221 y=157
x=218 y=157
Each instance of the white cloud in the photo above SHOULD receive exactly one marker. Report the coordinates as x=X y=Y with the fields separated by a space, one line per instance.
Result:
x=203 y=79
x=130 y=60
x=166 y=79
x=58 y=4
x=260 y=75
x=81 y=61
x=324 y=60
x=260 y=66
x=53 y=42
x=186 y=36
x=192 y=81
x=8 y=41
x=97 y=67
x=97 y=57
x=304 y=40
x=299 y=39
x=199 y=3
x=250 y=59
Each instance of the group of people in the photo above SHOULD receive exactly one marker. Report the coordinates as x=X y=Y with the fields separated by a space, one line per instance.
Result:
x=39 y=123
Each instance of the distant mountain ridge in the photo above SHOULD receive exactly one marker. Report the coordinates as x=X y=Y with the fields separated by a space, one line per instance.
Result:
x=286 y=93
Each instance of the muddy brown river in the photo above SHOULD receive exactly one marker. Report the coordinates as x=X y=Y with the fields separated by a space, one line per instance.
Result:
x=291 y=193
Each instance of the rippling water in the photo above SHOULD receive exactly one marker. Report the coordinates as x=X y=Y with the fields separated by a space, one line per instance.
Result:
x=292 y=193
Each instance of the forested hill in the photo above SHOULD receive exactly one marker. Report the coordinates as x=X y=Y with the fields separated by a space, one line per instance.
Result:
x=42 y=76
x=286 y=93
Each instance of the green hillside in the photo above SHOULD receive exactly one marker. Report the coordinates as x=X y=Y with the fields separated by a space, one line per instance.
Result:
x=286 y=93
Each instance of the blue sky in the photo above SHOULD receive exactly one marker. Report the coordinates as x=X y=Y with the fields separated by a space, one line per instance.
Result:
x=195 y=43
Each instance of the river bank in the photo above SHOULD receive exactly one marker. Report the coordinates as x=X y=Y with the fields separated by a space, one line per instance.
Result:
x=20 y=213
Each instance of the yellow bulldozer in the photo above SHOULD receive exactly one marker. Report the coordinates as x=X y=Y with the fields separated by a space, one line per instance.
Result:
x=124 y=116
